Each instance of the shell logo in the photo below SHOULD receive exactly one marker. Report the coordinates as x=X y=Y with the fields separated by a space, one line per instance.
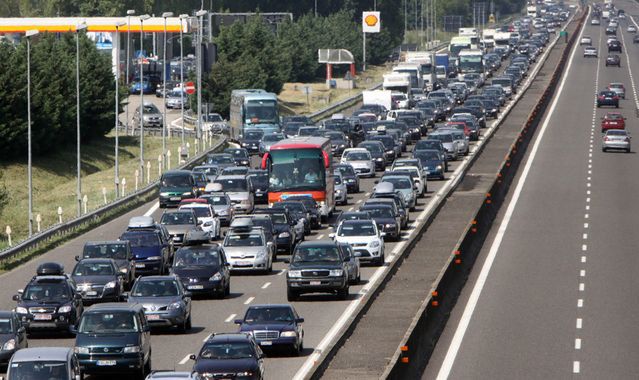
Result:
x=371 y=20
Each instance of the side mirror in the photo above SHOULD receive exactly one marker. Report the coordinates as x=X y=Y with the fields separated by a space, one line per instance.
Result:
x=146 y=328
x=287 y=261
x=347 y=259
x=331 y=235
x=382 y=234
x=16 y=297
x=299 y=320
x=77 y=258
x=73 y=330
x=77 y=297
x=193 y=357
x=125 y=296
x=238 y=321
x=188 y=294
x=22 y=330
x=20 y=291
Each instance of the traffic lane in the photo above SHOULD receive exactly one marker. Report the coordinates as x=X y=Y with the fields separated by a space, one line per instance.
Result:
x=524 y=319
x=134 y=103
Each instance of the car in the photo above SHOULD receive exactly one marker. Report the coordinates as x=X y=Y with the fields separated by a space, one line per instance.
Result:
x=98 y=280
x=339 y=142
x=58 y=363
x=176 y=99
x=165 y=301
x=618 y=88
x=201 y=180
x=287 y=230
x=350 y=215
x=610 y=30
x=235 y=355
x=451 y=146
x=49 y=301
x=631 y=29
x=613 y=120
x=240 y=189
x=298 y=211
x=613 y=60
x=179 y=222
x=202 y=268
x=419 y=178
x=210 y=171
x=240 y=155
x=266 y=223
x=151 y=245
x=247 y=248
x=615 y=46
x=377 y=151
x=353 y=266
x=113 y=338
x=595 y=21
x=222 y=206
x=462 y=140
x=309 y=131
x=214 y=123
x=365 y=238
x=403 y=184
x=317 y=266
x=616 y=139
x=433 y=163
x=585 y=40
x=392 y=149
x=269 y=140
x=172 y=375
x=590 y=52
x=118 y=250
x=206 y=219
x=361 y=160
x=635 y=39
x=176 y=185
x=152 y=116
x=386 y=217
x=251 y=138
x=220 y=160
x=13 y=336
x=432 y=145
x=607 y=98
x=350 y=176
x=274 y=326
x=341 y=192
x=149 y=84
x=311 y=206
x=259 y=181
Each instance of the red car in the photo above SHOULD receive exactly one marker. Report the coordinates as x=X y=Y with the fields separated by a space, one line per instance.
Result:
x=613 y=120
x=457 y=125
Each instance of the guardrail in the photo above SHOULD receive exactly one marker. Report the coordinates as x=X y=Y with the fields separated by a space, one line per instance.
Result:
x=92 y=218
x=420 y=339
x=148 y=131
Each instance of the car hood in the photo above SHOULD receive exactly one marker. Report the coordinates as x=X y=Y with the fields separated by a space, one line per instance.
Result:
x=157 y=301
x=270 y=325
x=5 y=337
x=360 y=164
x=195 y=271
x=248 y=251
x=144 y=252
x=107 y=340
x=219 y=208
x=238 y=195
x=356 y=239
x=94 y=280
x=225 y=365
x=327 y=265
x=174 y=229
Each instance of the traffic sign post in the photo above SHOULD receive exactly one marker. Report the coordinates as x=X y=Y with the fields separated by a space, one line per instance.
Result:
x=370 y=24
x=189 y=88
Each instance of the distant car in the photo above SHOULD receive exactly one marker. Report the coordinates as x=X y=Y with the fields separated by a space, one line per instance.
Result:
x=631 y=29
x=118 y=250
x=233 y=355
x=613 y=120
x=240 y=155
x=595 y=21
x=360 y=160
x=165 y=302
x=311 y=206
x=206 y=218
x=247 y=248
x=214 y=123
x=152 y=116
x=614 y=46
x=607 y=98
x=611 y=30
x=613 y=60
x=616 y=139
x=178 y=223
x=13 y=336
x=268 y=141
x=350 y=176
x=177 y=99
x=259 y=181
x=251 y=139
x=341 y=191
x=274 y=326
x=590 y=52
x=635 y=39
x=432 y=162
x=222 y=206
x=618 y=88
x=585 y=40
x=151 y=245
x=235 y=170
x=298 y=211
x=240 y=190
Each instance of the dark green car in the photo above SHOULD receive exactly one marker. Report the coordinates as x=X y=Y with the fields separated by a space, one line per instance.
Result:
x=176 y=185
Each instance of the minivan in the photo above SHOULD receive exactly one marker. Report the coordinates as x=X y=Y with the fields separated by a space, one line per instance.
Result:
x=44 y=363
x=176 y=185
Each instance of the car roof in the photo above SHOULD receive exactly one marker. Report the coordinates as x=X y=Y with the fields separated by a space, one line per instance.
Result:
x=95 y=260
x=175 y=172
x=318 y=243
x=114 y=306
x=231 y=176
x=257 y=306
x=42 y=353
x=155 y=278
x=229 y=337
x=105 y=242
x=170 y=375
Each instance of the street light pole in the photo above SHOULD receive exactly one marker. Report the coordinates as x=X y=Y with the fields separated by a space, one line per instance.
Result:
x=29 y=34
x=200 y=14
x=182 y=17
x=141 y=170
x=129 y=13
x=78 y=28
x=117 y=108
x=164 y=16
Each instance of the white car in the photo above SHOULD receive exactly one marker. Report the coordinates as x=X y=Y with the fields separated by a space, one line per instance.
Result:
x=590 y=52
x=585 y=40
x=595 y=21
x=632 y=29
x=361 y=160
x=418 y=177
x=367 y=241
x=206 y=218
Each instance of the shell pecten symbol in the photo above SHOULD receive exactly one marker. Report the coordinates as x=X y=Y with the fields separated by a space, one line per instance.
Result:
x=371 y=20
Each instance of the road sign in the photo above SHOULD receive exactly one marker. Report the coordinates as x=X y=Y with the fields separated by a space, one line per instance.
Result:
x=370 y=22
x=189 y=87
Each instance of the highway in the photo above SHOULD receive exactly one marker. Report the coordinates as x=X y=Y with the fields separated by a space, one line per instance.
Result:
x=552 y=294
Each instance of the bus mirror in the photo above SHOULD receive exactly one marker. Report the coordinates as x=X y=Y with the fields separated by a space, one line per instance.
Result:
x=327 y=160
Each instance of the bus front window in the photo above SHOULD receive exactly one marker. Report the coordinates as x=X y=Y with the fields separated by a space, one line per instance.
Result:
x=297 y=170
x=261 y=111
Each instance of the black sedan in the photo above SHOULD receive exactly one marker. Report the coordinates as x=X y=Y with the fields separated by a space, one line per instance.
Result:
x=350 y=177
x=614 y=46
x=13 y=336
x=608 y=98
x=236 y=355
x=98 y=280
x=274 y=326
x=203 y=269
x=613 y=60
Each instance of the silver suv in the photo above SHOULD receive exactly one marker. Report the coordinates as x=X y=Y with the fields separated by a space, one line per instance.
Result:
x=152 y=116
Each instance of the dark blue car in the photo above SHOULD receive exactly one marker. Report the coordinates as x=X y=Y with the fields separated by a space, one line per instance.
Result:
x=432 y=162
x=274 y=326
x=151 y=253
x=236 y=355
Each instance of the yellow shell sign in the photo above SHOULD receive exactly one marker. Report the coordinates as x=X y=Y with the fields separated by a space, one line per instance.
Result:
x=370 y=22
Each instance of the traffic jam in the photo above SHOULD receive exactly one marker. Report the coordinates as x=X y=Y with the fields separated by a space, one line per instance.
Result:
x=311 y=206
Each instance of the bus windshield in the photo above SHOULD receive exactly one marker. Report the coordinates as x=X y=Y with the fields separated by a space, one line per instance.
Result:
x=471 y=64
x=261 y=111
x=297 y=169
x=456 y=48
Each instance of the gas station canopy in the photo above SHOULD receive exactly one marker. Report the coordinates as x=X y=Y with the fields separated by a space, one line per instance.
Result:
x=94 y=24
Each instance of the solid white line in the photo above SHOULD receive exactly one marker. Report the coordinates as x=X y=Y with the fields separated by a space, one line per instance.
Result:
x=266 y=285
x=152 y=209
x=577 y=344
x=320 y=236
x=230 y=318
x=249 y=300
x=579 y=323
x=455 y=344
x=575 y=367
x=186 y=359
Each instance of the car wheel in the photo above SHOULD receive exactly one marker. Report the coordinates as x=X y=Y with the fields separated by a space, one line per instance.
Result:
x=147 y=367
x=343 y=293
x=628 y=150
x=291 y=295
x=603 y=149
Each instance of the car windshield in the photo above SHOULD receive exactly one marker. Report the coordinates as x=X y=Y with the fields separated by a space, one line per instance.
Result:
x=346 y=170
x=291 y=206
x=47 y=291
x=182 y=180
x=425 y=155
x=243 y=240
x=108 y=322
x=398 y=182
x=141 y=239
x=188 y=257
x=292 y=129
x=220 y=160
x=259 y=180
x=614 y=116
x=316 y=254
x=258 y=315
x=150 y=109
x=6 y=326
x=235 y=170
x=357 y=156
x=413 y=172
x=356 y=229
x=272 y=138
x=233 y=184
x=200 y=212
x=238 y=153
x=155 y=288
x=93 y=269
x=218 y=201
x=213 y=118
x=373 y=148
x=307 y=131
x=177 y=218
x=334 y=136
x=175 y=94
x=39 y=369
x=338 y=179
x=208 y=170
x=379 y=212
x=105 y=251
x=227 y=350
x=616 y=133
x=253 y=135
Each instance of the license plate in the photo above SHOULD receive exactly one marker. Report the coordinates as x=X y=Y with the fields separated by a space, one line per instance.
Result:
x=106 y=362
x=316 y=283
x=243 y=263
x=152 y=317
x=266 y=343
x=139 y=265
x=92 y=293
x=176 y=198
x=195 y=287
x=42 y=317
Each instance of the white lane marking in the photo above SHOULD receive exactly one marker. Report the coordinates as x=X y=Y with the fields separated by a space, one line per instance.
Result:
x=582 y=287
x=350 y=208
x=632 y=79
x=575 y=367
x=585 y=225
x=587 y=207
x=586 y=216
x=580 y=303
x=186 y=359
x=579 y=323
x=582 y=273
x=249 y=300
x=152 y=209
x=207 y=337
x=587 y=200
x=266 y=285
x=230 y=318
x=368 y=194
x=281 y=272
x=320 y=236
x=359 y=201
x=583 y=259
x=585 y=236
x=577 y=344
x=584 y=247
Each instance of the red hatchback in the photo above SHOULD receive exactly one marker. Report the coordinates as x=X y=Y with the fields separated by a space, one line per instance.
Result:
x=613 y=120
x=458 y=124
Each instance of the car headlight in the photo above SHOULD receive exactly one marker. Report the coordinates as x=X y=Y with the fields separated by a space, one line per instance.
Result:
x=288 y=334
x=379 y=159
x=342 y=145
x=131 y=350
x=187 y=193
x=292 y=274
x=65 y=309
x=164 y=194
x=338 y=191
x=81 y=350
x=207 y=224
x=390 y=151
x=21 y=310
x=245 y=201
x=154 y=258
x=110 y=285
x=284 y=235
x=374 y=244
x=216 y=277
x=9 y=345
x=389 y=225
x=244 y=144
x=244 y=374
x=261 y=253
x=244 y=162
x=174 y=306
x=439 y=167
x=350 y=180
x=336 y=272
x=124 y=270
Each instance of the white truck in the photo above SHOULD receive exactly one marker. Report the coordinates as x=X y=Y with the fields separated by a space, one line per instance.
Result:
x=397 y=82
x=413 y=70
x=605 y=15
x=380 y=97
x=488 y=38
x=502 y=39
x=425 y=60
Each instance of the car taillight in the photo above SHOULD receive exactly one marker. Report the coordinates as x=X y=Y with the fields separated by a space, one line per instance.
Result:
x=601 y=97
x=606 y=139
x=615 y=97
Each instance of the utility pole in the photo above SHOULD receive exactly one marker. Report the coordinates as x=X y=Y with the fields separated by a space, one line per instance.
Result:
x=117 y=109
x=78 y=28
x=141 y=170
x=29 y=34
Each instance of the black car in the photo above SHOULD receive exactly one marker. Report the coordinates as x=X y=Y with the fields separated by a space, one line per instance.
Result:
x=390 y=147
x=297 y=210
x=114 y=338
x=251 y=140
x=377 y=151
x=635 y=39
x=433 y=162
x=339 y=142
x=235 y=355
x=317 y=267
x=614 y=45
x=259 y=180
x=350 y=177
x=13 y=336
x=202 y=268
x=98 y=280
x=613 y=60
x=240 y=155
x=311 y=206
x=607 y=98
x=284 y=229
x=351 y=215
x=385 y=218
x=221 y=160
x=355 y=133
x=49 y=301
x=117 y=250
x=274 y=326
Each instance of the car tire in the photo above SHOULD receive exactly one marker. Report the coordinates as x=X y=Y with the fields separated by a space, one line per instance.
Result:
x=603 y=149
x=147 y=368
x=342 y=294
x=628 y=150
x=227 y=289
x=291 y=295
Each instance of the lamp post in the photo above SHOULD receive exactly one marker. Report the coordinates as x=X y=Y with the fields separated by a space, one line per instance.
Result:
x=164 y=16
x=129 y=13
x=78 y=28
x=117 y=108
x=29 y=34
x=200 y=30
x=142 y=19
x=182 y=18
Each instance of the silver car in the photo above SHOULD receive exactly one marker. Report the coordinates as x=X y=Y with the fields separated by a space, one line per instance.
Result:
x=616 y=139
x=268 y=141
x=165 y=301
x=618 y=88
x=222 y=206
x=449 y=143
x=178 y=223
x=590 y=52
x=152 y=116
x=404 y=184
x=176 y=99
x=341 y=193
x=240 y=190
x=361 y=160
x=463 y=145
x=246 y=247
